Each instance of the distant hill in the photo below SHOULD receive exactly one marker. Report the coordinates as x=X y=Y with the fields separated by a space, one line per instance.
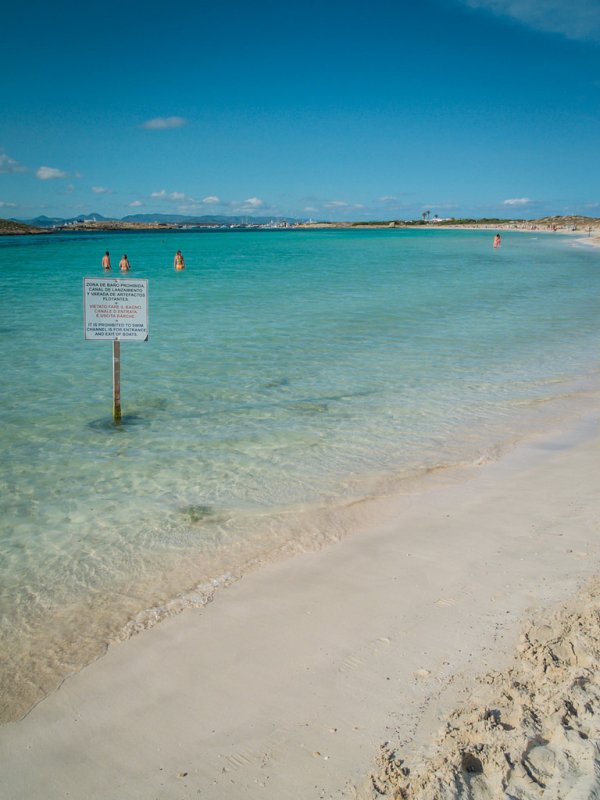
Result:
x=206 y=219
x=50 y=222
x=9 y=226
x=576 y=220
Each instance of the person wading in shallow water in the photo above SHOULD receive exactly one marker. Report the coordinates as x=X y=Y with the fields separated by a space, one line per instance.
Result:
x=178 y=261
x=106 y=261
x=497 y=240
x=124 y=264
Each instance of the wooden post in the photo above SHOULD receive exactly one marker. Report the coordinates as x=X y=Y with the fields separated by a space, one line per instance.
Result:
x=116 y=381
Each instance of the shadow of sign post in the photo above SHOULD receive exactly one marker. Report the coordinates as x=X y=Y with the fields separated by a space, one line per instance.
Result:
x=115 y=309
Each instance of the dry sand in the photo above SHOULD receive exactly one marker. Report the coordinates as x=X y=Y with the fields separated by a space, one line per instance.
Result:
x=532 y=731
x=287 y=685
x=590 y=241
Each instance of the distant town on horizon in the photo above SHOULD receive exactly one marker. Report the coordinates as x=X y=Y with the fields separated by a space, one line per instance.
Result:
x=97 y=222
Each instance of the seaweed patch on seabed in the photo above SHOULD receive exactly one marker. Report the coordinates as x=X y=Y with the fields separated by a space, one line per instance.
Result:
x=309 y=407
x=528 y=732
x=199 y=513
x=277 y=383
x=158 y=404
x=318 y=405
x=108 y=425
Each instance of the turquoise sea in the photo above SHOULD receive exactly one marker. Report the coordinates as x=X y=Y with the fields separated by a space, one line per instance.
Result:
x=287 y=375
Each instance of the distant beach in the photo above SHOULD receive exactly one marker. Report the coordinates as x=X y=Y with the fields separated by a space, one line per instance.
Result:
x=554 y=224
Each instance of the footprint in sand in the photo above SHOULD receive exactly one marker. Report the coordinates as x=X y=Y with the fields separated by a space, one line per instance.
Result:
x=246 y=758
x=242 y=759
x=373 y=649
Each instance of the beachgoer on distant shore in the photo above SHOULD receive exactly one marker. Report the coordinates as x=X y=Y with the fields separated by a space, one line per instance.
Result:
x=124 y=264
x=497 y=240
x=178 y=261
x=106 y=261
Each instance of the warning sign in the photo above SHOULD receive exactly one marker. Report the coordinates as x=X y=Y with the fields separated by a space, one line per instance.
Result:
x=115 y=308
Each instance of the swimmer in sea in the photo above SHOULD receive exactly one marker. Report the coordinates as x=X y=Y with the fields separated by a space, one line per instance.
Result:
x=106 y=261
x=178 y=261
x=497 y=240
x=124 y=264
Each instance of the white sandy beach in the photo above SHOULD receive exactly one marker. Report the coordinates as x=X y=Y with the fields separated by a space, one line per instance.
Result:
x=291 y=681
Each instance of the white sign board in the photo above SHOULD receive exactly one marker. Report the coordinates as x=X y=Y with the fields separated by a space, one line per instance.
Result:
x=115 y=308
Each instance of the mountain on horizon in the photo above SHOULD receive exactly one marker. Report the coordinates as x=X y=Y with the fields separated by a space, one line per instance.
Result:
x=209 y=219
x=43 y=221
x=48 y=222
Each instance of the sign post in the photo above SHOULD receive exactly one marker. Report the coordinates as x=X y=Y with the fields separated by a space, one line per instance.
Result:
x=116 y=380
x=115 y=309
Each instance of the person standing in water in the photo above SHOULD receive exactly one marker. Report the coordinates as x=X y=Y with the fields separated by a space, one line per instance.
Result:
x=106 y=261
x=178 y=261
x=124 y=264
x=497 y=240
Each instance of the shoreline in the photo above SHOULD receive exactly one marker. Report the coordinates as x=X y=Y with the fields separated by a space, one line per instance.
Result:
x=560 y=225
x=372 y=502
x=288 y=682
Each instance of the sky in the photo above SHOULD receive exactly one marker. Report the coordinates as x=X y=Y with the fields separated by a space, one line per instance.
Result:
x=324 y=110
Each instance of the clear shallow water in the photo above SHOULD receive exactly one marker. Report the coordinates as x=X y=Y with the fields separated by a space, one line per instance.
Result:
x=287 y=374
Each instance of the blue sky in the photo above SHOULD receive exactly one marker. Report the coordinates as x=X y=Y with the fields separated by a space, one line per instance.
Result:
x=324 y=110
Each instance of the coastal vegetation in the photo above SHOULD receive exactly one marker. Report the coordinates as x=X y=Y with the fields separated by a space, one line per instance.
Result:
x=422 y=222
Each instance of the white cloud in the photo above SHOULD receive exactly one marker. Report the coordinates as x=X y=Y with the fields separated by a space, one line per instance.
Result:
x=211 y=200
x=517 y=201
x=8 y=164
x=310 y=208
x=388 y=199
x=253 y=202
x=100 y=190
x=246 y=206
x=336 y=204
x=136 y=204
x=49 y=173
x=164 y=195
x=163 y=123
x=577 y=19
x=7 y=205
